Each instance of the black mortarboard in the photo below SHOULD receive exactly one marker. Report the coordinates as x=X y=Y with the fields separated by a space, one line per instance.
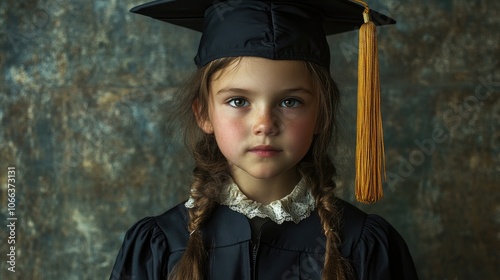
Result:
x=293 y=30
x=270 y=29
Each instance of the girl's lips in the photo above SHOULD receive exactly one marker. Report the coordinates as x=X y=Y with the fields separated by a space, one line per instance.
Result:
x=265 y=151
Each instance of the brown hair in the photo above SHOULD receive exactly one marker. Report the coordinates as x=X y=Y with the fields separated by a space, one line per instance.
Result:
x=211 y=169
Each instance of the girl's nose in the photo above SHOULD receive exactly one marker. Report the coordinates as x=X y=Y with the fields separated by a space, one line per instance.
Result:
x=266 y=123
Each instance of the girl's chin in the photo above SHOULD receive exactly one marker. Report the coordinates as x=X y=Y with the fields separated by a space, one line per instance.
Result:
x=262 y=173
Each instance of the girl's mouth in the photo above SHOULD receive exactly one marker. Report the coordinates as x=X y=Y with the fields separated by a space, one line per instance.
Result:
x=265 y=151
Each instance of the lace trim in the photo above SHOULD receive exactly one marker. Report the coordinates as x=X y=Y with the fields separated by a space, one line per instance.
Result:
x=295 y=207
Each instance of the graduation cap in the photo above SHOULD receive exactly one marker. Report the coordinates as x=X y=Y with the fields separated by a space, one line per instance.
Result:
x=294 y=30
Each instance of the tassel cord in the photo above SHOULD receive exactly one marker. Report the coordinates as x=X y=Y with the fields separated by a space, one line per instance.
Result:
x=370 y=154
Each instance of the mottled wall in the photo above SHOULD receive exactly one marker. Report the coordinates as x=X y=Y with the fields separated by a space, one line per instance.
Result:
x=83 y=89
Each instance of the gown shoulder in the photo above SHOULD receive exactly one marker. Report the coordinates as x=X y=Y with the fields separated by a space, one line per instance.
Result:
x=145 y=249
x=375 y=247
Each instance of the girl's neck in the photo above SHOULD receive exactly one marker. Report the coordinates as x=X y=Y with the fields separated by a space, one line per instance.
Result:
x=266 y=190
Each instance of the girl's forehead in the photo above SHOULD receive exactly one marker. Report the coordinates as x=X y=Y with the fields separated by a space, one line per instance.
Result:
x=259 y=64
x=260 y=74
x=246 y=66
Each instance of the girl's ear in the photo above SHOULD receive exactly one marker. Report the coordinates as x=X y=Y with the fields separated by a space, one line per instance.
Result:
x=203 y=123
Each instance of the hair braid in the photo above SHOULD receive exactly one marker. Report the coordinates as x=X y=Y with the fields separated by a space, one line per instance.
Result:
x=323 y=189
x=210 y=173
x=319 y=170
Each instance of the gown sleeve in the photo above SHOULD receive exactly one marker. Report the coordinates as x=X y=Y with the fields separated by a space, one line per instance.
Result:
x=144 y=253
x=381 y=252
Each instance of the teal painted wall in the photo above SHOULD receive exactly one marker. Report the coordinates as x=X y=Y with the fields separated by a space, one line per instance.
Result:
x=84 y=85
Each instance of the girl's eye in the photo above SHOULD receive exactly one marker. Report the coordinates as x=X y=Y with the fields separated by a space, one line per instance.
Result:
x=238 y=102
x=290 y=103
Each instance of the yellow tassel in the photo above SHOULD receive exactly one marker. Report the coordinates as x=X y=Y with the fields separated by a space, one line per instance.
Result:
x=370 y=154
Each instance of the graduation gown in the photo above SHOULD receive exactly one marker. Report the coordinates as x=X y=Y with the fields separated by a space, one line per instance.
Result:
x=287 y=251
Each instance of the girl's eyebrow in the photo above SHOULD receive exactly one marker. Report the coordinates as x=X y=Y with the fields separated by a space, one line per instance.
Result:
x=249 y=91
x=234 y=90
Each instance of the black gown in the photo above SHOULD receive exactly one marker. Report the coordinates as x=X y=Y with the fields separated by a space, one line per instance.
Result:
x=287 y=251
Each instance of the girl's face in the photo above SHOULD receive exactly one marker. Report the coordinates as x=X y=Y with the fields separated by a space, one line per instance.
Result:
x=263 y=114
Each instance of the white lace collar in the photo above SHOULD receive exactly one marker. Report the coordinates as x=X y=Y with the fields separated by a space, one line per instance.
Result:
x=296 y=206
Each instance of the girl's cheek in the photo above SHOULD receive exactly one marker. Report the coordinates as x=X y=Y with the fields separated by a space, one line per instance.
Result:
x=230 y=127
x=301 y=123
x=303 y=131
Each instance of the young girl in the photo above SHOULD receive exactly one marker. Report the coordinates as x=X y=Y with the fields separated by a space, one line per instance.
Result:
x=260 y=114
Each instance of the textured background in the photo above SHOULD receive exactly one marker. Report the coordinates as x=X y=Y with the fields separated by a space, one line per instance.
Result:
x=83 y=89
